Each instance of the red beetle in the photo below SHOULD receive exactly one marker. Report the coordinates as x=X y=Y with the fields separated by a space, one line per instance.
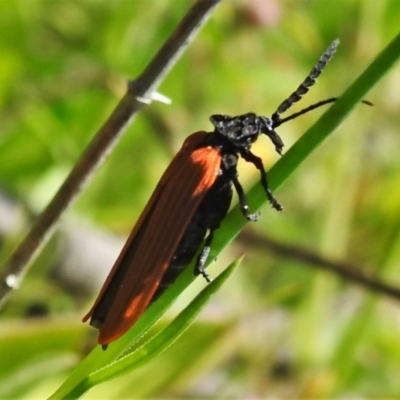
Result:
x=191 y=199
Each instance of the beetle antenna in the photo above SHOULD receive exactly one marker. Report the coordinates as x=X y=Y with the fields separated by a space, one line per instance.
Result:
x=306 y=84
x=304 y=111
x=310 y=108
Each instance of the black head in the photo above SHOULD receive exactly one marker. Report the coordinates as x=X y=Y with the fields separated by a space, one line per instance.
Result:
x=243 y=130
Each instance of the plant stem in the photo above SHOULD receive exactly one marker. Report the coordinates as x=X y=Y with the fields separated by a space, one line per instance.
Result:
x=139 y=92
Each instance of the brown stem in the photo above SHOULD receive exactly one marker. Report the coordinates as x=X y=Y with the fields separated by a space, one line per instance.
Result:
x=102 y=144
x=343 y=269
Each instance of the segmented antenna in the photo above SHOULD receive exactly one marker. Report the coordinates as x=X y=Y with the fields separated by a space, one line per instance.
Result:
x=307 y=83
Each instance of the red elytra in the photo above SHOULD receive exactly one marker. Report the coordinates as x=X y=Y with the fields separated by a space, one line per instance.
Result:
x=154 y=239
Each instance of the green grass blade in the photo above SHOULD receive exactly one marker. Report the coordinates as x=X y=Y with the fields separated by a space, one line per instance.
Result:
x=159 y=342
x=98 y=358
x=234 y=222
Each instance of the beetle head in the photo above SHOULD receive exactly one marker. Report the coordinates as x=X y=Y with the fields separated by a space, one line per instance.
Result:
x=243 y=130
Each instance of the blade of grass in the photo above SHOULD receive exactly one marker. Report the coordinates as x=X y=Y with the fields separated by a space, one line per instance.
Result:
x=156 y=345
x=234 y=221
x=98 y=358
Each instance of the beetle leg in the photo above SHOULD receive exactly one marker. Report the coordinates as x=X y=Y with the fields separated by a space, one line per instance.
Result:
x=243 y=201
x=257 y=162
x=202 y=259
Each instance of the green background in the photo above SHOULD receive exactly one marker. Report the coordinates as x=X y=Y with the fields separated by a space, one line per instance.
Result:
x=277 y=328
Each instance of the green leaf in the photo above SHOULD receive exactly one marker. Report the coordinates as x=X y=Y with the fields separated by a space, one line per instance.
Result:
x=104 y=364
x=235 y=221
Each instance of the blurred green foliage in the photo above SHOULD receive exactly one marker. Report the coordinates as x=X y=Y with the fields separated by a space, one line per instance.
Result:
x=277 y=329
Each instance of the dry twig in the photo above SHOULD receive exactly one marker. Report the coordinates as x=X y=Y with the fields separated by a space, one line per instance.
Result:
x=345 y=270
x=139 y=92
